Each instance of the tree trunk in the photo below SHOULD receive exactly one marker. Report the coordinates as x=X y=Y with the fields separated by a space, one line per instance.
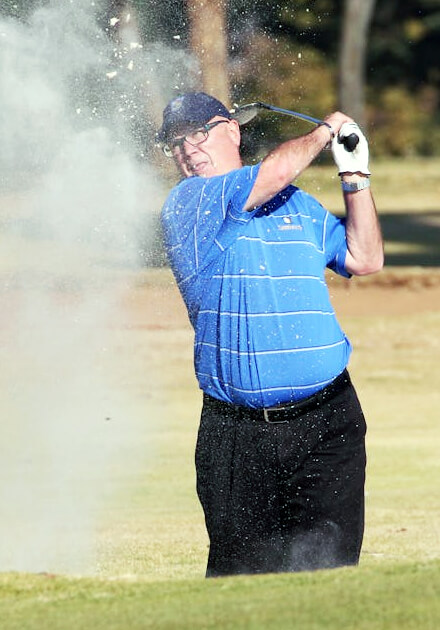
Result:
x=356 y=22
x=209 y=43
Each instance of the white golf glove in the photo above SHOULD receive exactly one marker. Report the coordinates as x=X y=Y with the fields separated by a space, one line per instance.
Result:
x=351 y=161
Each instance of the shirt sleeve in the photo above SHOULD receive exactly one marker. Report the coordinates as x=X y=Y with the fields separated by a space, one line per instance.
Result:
x=331 y=235
x=203 y=215
x=335 y=244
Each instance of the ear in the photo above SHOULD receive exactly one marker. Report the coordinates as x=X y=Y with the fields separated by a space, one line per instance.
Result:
x=234 y=130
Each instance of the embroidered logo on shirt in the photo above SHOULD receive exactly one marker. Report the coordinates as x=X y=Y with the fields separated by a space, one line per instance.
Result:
x=290 y=226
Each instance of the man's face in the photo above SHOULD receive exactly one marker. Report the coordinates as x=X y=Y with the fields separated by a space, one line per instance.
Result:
x=207 y=151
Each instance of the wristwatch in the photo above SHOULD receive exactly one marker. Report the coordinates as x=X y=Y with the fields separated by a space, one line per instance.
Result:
x=355 y=186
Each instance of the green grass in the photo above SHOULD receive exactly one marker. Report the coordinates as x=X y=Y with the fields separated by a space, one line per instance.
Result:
x=392 y=597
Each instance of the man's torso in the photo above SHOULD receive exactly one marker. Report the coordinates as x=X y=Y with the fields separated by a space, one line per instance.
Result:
x=265 y=330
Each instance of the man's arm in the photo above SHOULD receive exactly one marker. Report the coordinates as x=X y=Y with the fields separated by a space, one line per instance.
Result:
x=364 y=238
x=288 y=160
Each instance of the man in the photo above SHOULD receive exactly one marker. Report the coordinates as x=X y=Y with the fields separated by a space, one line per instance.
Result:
x=280 y=454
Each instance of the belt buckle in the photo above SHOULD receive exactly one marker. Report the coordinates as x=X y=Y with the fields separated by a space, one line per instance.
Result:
x=266 y=416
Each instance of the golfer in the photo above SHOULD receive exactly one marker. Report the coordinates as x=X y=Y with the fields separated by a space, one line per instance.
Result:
x=280 y=455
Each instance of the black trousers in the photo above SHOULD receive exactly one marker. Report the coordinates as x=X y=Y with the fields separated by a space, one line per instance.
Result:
x=287 y=496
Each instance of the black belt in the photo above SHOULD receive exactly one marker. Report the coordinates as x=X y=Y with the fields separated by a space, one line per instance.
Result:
x=288 y=411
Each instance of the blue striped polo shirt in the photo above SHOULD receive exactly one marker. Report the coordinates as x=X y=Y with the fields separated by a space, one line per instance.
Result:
x=254 y=286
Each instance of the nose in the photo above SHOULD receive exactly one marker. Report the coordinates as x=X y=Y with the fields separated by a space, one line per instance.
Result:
x=187 y=148
x=182 y=157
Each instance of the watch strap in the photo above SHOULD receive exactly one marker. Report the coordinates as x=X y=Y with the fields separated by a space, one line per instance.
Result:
x=355 y=186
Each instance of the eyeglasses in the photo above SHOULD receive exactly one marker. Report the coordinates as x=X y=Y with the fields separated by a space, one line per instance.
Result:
x=194 y=138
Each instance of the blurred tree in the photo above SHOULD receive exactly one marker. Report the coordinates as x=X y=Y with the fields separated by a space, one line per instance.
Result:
x=352 y=60
x=209 y=41
x=405 y=43
x=404 y=77
x=277 y=50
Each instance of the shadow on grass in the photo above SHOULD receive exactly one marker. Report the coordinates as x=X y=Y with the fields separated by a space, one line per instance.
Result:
x=411 y=238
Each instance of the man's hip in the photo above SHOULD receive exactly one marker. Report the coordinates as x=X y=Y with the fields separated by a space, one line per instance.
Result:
x=285 y=412
x=266 y=485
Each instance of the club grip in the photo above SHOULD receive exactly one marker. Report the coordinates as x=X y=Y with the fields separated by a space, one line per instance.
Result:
x=350 y=142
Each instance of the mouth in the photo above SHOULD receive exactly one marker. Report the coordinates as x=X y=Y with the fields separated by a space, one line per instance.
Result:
x=198 y=168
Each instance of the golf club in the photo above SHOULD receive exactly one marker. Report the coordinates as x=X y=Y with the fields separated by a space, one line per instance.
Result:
x=245 y=113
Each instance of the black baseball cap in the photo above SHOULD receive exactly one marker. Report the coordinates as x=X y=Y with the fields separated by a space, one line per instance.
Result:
x=191 y=108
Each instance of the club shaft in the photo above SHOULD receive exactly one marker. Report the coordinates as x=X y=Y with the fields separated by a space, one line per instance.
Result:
x=289 y=112
x=350 y=142
x=245 y=113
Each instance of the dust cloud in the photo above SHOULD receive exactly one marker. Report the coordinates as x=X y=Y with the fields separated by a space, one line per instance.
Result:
x=77 y=198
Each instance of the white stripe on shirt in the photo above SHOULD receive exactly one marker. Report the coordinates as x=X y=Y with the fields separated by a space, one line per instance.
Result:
x=268 y=352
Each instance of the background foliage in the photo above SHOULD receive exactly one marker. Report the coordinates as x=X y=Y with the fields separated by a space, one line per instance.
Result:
x=286 y=52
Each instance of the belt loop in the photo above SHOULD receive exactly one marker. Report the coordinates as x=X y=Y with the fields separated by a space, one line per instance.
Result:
x=267 y=419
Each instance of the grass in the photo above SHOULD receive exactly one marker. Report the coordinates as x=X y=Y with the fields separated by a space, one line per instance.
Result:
x=407 y=194
x=399 y=185
x=401 y=398
x=395 y=597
